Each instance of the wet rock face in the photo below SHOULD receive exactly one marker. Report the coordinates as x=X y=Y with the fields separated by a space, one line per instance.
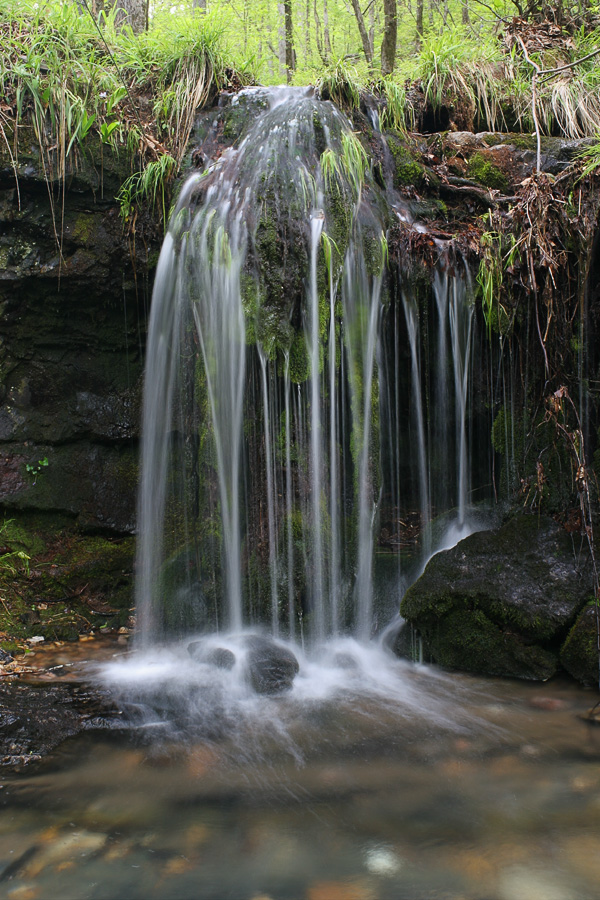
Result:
x=501 y=602
x=72 y=325
x=35 y=719
x=270 y=667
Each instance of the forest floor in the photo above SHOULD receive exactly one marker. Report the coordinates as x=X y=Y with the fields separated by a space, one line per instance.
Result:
x=57 y=584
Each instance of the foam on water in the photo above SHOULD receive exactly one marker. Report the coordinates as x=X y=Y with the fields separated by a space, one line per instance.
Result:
x=342 y=685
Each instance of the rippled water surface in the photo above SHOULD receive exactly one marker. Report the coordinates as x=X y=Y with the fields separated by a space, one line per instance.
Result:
x=427 y=786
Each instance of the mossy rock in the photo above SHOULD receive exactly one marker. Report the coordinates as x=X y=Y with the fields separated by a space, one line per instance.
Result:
x=91 y=165
x=429 y=209
x=70 y=584
x=408 y=171
x=482 y=170
x=241 y=111
x=93 y=483
x=471 y=642
x=579 y=653
x=501 y=601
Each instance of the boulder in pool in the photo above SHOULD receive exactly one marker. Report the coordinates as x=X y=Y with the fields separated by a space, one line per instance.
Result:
x=502 y=602
x=270 y=667
x=220 y=657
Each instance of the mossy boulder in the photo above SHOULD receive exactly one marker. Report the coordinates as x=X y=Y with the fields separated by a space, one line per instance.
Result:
x=579 y=653
x=239 y=110
x=289 y=184
x=501 y=602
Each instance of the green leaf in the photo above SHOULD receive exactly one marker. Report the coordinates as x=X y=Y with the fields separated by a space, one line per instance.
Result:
x=106 y=129
x=117 y=95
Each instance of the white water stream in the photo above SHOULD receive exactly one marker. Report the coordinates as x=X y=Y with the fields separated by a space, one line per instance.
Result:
x=263 y=477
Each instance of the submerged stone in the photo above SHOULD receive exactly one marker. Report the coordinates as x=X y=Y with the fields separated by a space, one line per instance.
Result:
x=270 y=667
x=500 y=602
x=35 y=719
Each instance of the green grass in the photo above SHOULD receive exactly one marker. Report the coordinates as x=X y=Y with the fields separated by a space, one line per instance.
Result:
x=341 y=83
x=484 y=84
x=75 y=82
x=137 y=95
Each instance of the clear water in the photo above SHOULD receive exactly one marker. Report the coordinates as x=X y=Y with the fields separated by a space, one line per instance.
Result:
x=392 y=781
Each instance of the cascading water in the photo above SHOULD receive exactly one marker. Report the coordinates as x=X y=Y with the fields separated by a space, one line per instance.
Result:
x=221 y=453
x=296 y=411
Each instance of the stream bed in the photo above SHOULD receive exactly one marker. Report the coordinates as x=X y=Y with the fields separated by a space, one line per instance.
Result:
x=491 y=790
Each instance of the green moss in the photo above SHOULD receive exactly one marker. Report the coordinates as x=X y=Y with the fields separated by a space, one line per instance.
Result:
x=523 y=141
x=84 y=228
x=299 y=359
x=374 y=253
x=579 y=653
x=239 y=114
x=339 y=222
x=281 y=263
x=319 y=131
x=482 y=170
x=15 y=534
x=408 y=171
x=469 y=641
x=73 y=584
x=152 y=260
x=505 y=433
x=431 y=608
x=250 y=302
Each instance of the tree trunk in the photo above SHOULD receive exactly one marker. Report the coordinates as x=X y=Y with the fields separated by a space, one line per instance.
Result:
x=419 y=35
x=199 y=5
x=390 y=34
x=363 y=32
x=130 y=12
x=318 y=37
x=281 y=39
x=286 y=41
x=326 y=38
x=307 y=47
x=290 y=53
x=465 y=12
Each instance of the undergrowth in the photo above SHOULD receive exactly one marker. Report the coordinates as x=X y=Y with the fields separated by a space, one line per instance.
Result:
x=75 y=79
x=485 y=82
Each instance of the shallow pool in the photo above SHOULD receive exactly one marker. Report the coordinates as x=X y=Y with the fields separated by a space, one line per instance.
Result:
x=491 y=791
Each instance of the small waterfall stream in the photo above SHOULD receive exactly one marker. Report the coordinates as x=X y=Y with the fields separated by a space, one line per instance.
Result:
x=291 y=403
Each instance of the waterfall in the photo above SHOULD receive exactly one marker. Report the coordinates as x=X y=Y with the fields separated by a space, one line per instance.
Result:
x=361 y=314
x=316 y=444
x=296 y=411
x=412 y=324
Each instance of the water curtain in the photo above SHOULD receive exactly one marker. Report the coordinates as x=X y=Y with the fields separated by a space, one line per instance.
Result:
x=287 y=407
